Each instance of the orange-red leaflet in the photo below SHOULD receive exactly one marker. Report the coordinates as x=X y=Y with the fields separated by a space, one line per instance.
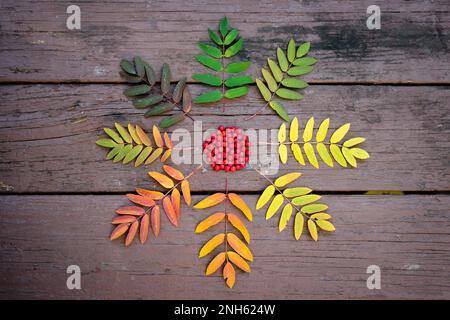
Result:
x=131 y=210
x=210 y=201
x=239 y=246
x=143 y=231
x=155 y=218
x=170 y=212
x=132 y=233
x=142 y=200
x=119 y=231
x=209 y=222
x=163 y=180
x=124 y=219
x=239 y=203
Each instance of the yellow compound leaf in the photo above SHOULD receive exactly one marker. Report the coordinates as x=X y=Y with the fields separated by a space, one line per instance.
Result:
x=282 y=133
x=298 y=225
x=274 y=206
x=238 y=261
x=155 y=155
x=215 y=263
x=321 y=216
x=297 y=151
x=349 y=157
x=123 y=133
x=337 y=155
x=282 y=150
x=325 y=225
x=157 y=136
x=239 y=203
x=174 y=173
x=312 y=229
x=353 y=142
x=162 y=179
x=324 y=155
x=359 y=153
x=314 y=208
x=212 y=243
x=285 y=216
x=265 y=197
x=133 y=133
x=207 y=223
x=339 y=134
x=296 y=192
x=304 y=200
x=210 y=201
x=322 y=131
x=168 y=141
x=229 y=274
x=239 y=246
x=237 y=223
x=293 y=130
x=310 y=154
x=186 y=190
x=286 y=179
x=143 y=136
x=308 y=132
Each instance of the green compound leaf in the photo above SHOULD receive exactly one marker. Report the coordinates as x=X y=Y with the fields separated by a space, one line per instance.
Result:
x=238 y=81
x=236 y=92
x=159 y=109
x=127 y=66
x=276 y=71
x=265 y=92
x=294 y=83
x=139 y=66
x=291 y=50
x=279 y=109
x=212 y=51
x=165 y=78
x=137 y=90
x=171 y=120
x=303 y=49
x=209 y=97
x=271 y=82
x=215 y=37
x=282 y=60
x=288 y=94
x=237 y=67
x=208 y=78
x=231 y=36
x=223 y=26
x=107 y=143
x=147 y=102
x=132 y=154
x=113 y=135
x=308 y=61
x=299 y=71
x=209 y=62
x=234 y=49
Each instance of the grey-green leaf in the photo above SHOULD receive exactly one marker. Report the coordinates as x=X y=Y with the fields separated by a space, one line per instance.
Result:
x=238 y=81
x=279 y=109
x=208 y=78
x=231 y=36
x=282 y=60
x=171 y=120
x=147 y=102
x=212 y=51
x=234 y=49
x=165 y=78
x=150 y=73
x=129 y=78
x=139 y=66
x=137 y=90
x=159 y=109
x=178 y=91
x=303 y=49
x=288 y=94
x=236 y=92
x=237 y=67
x=215 y=37
x=294 y=83
x=209 y=97
x=299 y=71
x=127 y=66
x=209 y=62
x=308 y=61
x=223 y=26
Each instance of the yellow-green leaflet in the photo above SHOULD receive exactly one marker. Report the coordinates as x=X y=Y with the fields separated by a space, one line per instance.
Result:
x=114 y=152
x=349 y=157
x=339 y=134
x=263 y=89
x=321 y=216
x=123 y=133
x=144 y=154
x=154 y=155
x=304 y=200
x=337 y=155
x=312 y=229
x=265 y=197
x=282 y=150
x=296 y=192
x=276 y=71
x=323 y=129
x=324 y=155
x=274 y=206
x=359 y=153
x=286 y=179
x=293 y=130
x=132 y=154
x=133 y=134
x=309 y=151
x=354 y=141
x=291 y=50
x=325 y=225
x=123 y=152
x=285 y=216
x=298 y=225
x=282 y=133
x=308 y=132
x=297 y=151
x=271 y=83
x=282 y=60
x=314 y=208
x=113 y=135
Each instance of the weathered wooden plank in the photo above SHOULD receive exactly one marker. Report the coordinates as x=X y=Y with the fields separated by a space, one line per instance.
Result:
x=406 y=236
x=48 y=132
x=412 y=44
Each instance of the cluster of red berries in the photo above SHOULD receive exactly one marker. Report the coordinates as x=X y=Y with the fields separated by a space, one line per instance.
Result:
x=227 y=149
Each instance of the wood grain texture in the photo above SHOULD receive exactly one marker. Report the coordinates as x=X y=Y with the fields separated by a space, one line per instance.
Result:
x=407 y=236
x=412 y=44
x=48 y=132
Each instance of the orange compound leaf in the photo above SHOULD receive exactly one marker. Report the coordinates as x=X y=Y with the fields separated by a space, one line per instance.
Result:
x=186 y=189
x=170 y=212
x=239 y=203
x=157 y=136
x=168 y=141
x=174 y=173
x=210 y=201
x=155 y=195
x=176 y=202
x=212 y=220
x=237 y=223
x=162 y=179
x=119 y=231
x=132 y=233
x=142 y=200
x=143 y=136
x=239 y=246
x=123 y=219
x=155 y=219
x=215 y=263
x=238 y=261
x=131 y=210
x=211 y=244
x=229 y=274
x=143 y=231
x=166 y=155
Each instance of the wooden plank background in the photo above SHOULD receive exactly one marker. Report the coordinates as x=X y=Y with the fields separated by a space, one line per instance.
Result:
x=59 y=88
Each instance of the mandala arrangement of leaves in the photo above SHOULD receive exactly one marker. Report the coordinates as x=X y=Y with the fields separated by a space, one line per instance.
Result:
x=235 y=251
x=224 y=45
x=298 y=199
x=135 y=144
x=342 y=152
x=280 y=81
x=146 y=211
x=141 y=74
